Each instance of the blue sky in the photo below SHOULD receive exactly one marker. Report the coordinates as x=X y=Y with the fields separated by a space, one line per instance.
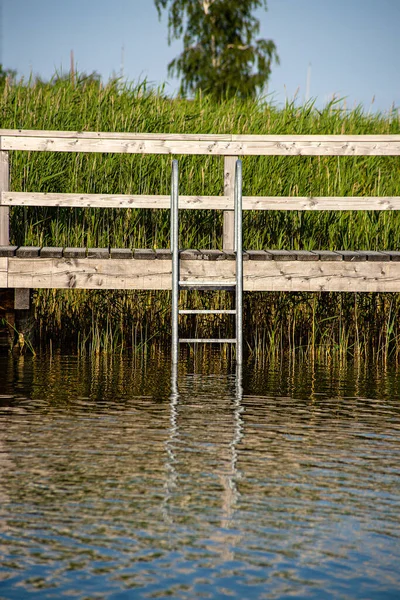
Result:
x=353 y=46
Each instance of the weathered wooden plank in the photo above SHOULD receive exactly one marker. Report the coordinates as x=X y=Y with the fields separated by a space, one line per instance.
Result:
x=190 y=254
x=310 y=148
x=212 y=255
x=27 y=251
x=226 y=145
x=231 y=255
x=98 y=253
x=38 y=133
x=194 y=254
x=320 y=276
x=269 y=275
x=375 y=256
x=328 y=255
x=218 y=271
x=315 y=203
x=259 y=255
x=163 y=254
x=112 y=201
x=51 y=252
x=352 y=255
x=4 y=212
x=251 y=146
x=195 y=136
x=3 y=272
x=306 y=255
x=282 y=254
x=118 y=253
x=89 y=273
x=320 y=138
x=393 y=255
x=141 y=145
x=228 y=227
x=74 y=253
x=224 y=203
x=144 y=254
x=8 y=250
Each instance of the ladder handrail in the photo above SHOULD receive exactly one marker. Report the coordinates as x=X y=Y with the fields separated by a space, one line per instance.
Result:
x=175 y=259
x=239 y=260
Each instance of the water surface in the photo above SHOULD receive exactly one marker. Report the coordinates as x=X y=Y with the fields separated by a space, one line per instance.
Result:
x=118 y=482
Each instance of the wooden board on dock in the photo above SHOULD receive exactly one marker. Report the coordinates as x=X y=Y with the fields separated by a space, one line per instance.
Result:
x=317 y=271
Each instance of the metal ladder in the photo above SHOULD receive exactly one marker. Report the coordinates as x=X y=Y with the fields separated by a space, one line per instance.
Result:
x=235 y=285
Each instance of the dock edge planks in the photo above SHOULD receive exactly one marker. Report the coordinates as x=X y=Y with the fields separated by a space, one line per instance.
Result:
x=350 y=273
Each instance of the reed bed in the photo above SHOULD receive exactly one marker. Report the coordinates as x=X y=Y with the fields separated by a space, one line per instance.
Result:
x=340 y=324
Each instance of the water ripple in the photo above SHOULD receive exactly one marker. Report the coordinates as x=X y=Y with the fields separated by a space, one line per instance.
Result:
x=116 y=484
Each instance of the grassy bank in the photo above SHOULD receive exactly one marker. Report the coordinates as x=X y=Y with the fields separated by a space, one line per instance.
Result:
x=330 y=323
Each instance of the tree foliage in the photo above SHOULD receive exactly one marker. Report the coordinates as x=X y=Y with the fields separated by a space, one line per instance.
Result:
x=6 y=74
x=221 y=54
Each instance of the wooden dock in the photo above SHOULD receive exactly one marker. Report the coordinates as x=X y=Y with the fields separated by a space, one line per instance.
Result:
x=121 y=268
x=273 y=270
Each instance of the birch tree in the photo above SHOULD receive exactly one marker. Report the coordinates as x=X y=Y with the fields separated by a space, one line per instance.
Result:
x=221 y=52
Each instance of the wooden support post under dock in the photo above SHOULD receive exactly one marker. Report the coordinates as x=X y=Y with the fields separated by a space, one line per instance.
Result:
x=18 y=299
x=4 y=210
x=21 y=296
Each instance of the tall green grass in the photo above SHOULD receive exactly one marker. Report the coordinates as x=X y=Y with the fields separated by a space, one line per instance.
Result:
x=118 y=321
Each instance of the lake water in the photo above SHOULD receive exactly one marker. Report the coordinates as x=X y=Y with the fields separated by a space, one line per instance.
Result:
x=118 y=481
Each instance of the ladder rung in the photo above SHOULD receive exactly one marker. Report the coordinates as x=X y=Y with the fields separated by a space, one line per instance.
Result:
x=208 y=340
x=205 y=282
x=207 y=312
x=208 y=285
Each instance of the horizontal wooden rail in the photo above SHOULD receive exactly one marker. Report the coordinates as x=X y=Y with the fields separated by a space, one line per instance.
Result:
x=110 y=200
x=218 y=145
x=200 y=202
x=272 y=270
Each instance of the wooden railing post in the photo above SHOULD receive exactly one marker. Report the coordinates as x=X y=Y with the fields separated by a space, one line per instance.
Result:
x=4 y=210
x=5 y=240
x=229 y=188
x=21 y=296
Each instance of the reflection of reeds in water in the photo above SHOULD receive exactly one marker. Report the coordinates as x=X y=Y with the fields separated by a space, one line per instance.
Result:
x=333 y=324
x=106 y=430
x=154 y=465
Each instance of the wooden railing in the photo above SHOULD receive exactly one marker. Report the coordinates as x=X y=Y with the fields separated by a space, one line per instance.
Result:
x=230 y=147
